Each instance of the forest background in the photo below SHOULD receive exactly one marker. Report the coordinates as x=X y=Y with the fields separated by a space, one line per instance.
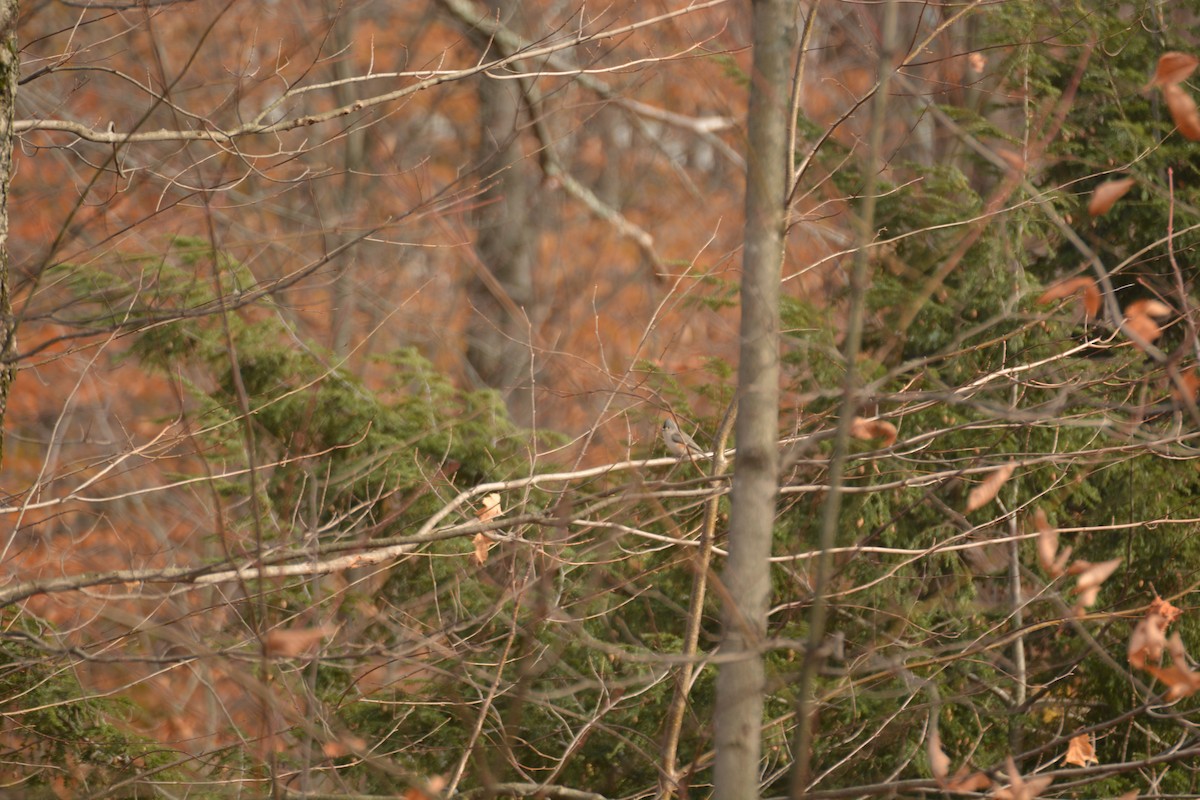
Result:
x=342 y=333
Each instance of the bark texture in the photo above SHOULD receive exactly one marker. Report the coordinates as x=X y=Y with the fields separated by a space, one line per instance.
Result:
x=740 y=682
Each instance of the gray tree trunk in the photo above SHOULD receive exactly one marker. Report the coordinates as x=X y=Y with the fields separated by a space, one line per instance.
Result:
x=9 y=69
x=740 y=682
x=497 y=335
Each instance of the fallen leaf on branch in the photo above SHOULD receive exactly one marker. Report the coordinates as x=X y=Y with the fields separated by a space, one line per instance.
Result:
x=1173 y=67
x=1080 y=751
x=292 y=642
x=1105 y=196
x=985 y=492
x=1084 y=288
x=868 y=429
x=1183 y=111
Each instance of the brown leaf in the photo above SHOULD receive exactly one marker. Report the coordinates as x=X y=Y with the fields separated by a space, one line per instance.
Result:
x=1140 y=317
x=1190 y=382
x=1080 y=751
x=482 y=545
x=1149 y=637
x=1105 y=196
x=985 y=492
x=1164 y=609
x=491 y=507
x=873 y=429
x=1083 y=287
x=939 y=762
x=1096 y=574
x=1047 y=546
x=1183 y=111
x=1172 y=68
x=967 y=783
x=292 y=642
x=1133 y=795
x=1019 y=788
x=1180 y=682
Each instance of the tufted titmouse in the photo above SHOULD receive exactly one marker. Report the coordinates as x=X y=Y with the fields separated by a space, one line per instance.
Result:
x=679 y=444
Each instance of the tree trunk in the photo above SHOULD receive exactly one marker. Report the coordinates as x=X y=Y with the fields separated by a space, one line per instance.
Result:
x=498 y=335
x=740 y=682
x=9 y=70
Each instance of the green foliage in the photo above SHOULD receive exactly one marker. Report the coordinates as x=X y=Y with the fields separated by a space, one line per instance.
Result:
x=53 y=724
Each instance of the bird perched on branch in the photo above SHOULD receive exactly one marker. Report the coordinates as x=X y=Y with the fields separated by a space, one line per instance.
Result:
x=679 y=444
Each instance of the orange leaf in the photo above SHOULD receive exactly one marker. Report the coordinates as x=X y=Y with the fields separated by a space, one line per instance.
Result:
x=965 y=784
x=1190 y=383
x=1080 y=751
x=1164 y=609
x=292 y=642
x=1172 y=68
x=873 y=429
x=1140 y=317
x=1183 y=111
x=1180 y=681
x=985 y=492
x=1105 y=196
x=1084 y=287
x=482 y=545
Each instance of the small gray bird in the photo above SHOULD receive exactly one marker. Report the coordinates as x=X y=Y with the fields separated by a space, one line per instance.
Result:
x=679 y=444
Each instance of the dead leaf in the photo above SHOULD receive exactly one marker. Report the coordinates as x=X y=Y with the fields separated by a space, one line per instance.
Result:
x=292 y=642
x=1085 y=288
x=1140 y=317
x=1087 y=599
x=985 y=492
x=1180 y=678
x=1164 y=609
x=1080 y=751
x=939 y=762
x=1047 y=546
x=1172 y=68
x=1019 y=788
x=491 y=507
x=1149 y=636
x=482 y=545
x=1129 y=795
x=1190 y=383
x=868 y=429
x=1094 y=574
x=966 y=783
x=1183 y=111
x=1105 y=196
